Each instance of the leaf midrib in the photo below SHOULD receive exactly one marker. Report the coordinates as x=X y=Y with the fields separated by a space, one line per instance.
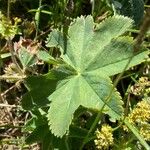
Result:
x=128 y=58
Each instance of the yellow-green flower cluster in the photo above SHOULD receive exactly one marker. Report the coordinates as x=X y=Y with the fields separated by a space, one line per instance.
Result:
x=7 y=29
x=141 y=113
x=11 y=70
x=104 y=138
x=142 y=88
x=140 y=116
x=145 y=131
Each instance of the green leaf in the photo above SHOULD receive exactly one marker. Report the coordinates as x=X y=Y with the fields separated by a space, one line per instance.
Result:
x=94 y=53
x=77 y=132
x=38 y=119
x=76 y=137
x=27 y=59
x=115 y=57
x=40 y=87
x=37 y=135
x=55 y=39
x=50 y=142
x=44 y=56
x=87 y=91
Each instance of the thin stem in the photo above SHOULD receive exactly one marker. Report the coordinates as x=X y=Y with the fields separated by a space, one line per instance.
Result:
x=37 y=19
x=8 y=9
x=9 y=42
x=10 y=126
x=66 y=142
x=143 y=29
x=127 y=95
x=137 y=134
x=92 y=128
x=128 y=101
x=5 y=77
x=8 y=90
x=7 y=105
x=93 y=6
x=13 y=56
x=0 y=74
x=148 y=6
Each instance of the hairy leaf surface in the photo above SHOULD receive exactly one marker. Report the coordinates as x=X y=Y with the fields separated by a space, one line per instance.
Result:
x=94 y=52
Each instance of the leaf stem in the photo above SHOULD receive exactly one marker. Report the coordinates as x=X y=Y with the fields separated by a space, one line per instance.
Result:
x=37 y=19
x=66 y=142
x=93 y=6
x=137 y=134
x=143 y=29
x=7 y=105
x=5 y=77
x=10 y=45
x=92 y=127
x=10 y=126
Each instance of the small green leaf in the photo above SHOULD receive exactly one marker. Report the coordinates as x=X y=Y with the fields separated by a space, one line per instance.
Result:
x=44 y=56
x=55 y=39
x=27 y=59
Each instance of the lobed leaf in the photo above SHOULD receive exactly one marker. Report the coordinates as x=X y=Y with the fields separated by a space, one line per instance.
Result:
x=94 y=53
x=40 y=87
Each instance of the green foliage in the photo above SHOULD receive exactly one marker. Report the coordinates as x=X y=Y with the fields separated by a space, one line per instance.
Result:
x=42 y=55
x=72 y=96
x=40 y=133
x=45 y=85
x=7 y=30
x=131 y=8
x=94 y=54
x=27 y=59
